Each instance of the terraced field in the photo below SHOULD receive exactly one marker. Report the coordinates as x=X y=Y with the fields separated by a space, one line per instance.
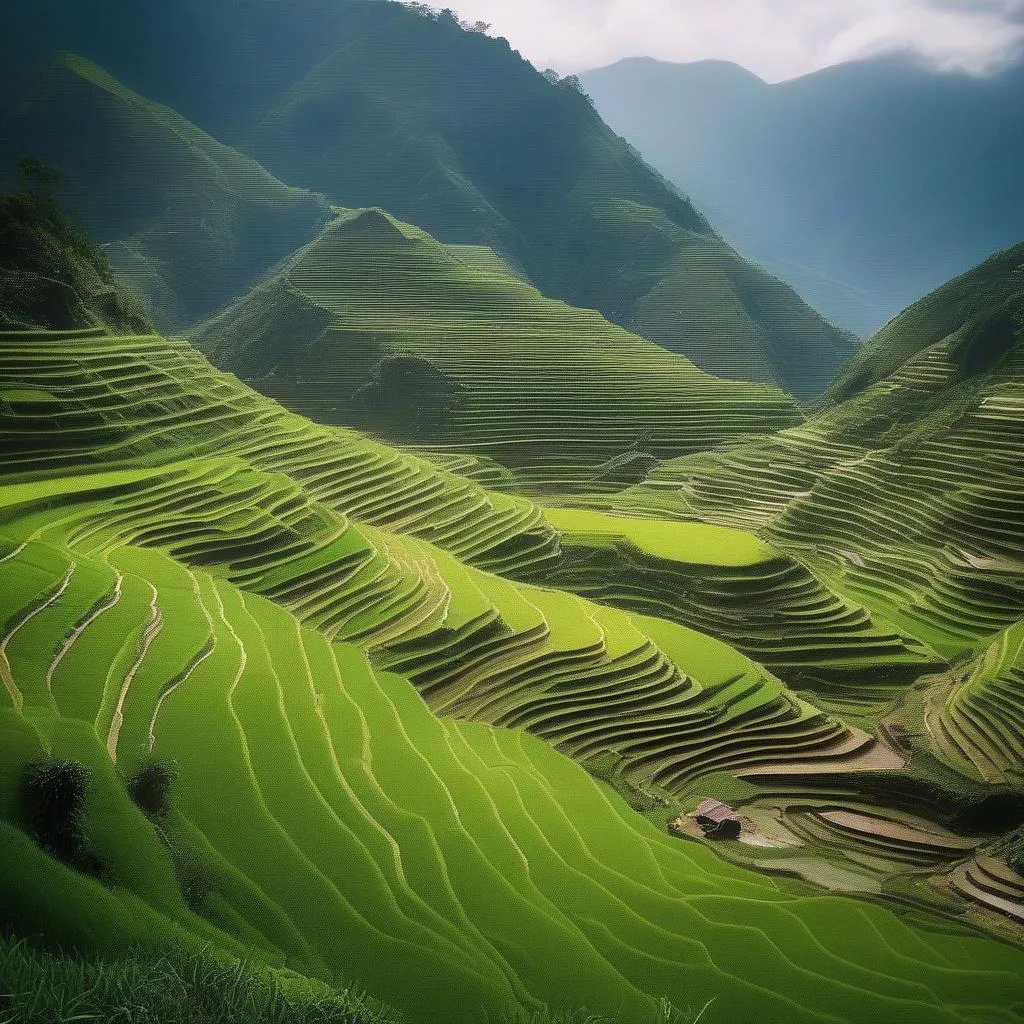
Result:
x=190 y=573
x=991 y=884
x=728 y=583
x=375 y=323
x=352 y=831
x=906 y=499
x=349 y=536
x=978 y=723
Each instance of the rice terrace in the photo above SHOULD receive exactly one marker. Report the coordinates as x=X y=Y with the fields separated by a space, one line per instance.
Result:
x=444 y=579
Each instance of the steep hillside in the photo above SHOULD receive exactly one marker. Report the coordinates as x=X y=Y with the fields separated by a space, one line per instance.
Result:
x=864 y=185
x=475 y=146
x=908 y=496
x=379 y=325
x=188 y=222
x=51 y=274
x=981 y=302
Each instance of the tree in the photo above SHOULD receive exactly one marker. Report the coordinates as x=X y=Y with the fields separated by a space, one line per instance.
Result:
x=573 y=82
x=150 y=790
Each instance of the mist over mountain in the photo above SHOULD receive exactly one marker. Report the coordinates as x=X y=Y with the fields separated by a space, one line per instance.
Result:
x=864 y=185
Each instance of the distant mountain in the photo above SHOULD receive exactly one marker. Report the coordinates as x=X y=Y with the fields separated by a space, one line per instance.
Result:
x=375 y=104
x=864 y=185
x=187 y=221
x=378 y=325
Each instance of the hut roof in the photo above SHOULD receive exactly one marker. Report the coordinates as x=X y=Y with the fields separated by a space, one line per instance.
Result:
x=715 y=810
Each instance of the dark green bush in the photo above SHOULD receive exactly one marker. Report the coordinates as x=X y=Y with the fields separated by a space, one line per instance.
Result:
x=150 y=789
x=54 y=801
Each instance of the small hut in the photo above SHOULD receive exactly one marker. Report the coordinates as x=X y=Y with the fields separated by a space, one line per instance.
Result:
x=717 y=820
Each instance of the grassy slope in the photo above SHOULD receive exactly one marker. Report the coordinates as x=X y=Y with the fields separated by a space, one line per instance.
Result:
x=323 y=769
x=437 y=347
x=187 y=221
x=474 y=145
x=172 y=989
x=934 y=318
x=132 y=616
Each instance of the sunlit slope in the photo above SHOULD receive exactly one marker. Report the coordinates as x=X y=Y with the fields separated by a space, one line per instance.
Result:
x=378 y=324
x=976 y=719
x=188 y=222
x=76 y=401
x=349 y=535
x=974 y=296
x=907 y=498
x=341 y=828
x=728 y=583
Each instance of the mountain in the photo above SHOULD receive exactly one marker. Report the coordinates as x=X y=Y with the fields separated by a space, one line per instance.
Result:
x=188 y=222
x=377 y=324
x=905 y=496
x=475 y=146
x=455 y=132
x=865 y=185
x=981 y=303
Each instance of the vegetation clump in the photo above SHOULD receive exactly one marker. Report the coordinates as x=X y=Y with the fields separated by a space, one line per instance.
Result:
x=150 y=789
x=55 y=793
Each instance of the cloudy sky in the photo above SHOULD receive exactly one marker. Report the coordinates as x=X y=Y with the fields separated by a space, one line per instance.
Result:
x=776 y=38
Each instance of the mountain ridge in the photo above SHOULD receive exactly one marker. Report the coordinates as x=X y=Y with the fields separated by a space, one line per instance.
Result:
x=187 y=221
x=866 y=184
x=476 y=146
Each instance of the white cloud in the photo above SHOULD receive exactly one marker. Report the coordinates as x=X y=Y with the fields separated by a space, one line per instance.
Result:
x=775 y=38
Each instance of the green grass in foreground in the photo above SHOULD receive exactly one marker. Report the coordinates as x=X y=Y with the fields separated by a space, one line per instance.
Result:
x=38 y=987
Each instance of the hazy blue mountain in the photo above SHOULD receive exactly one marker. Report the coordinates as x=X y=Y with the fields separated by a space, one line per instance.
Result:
x=864 y=185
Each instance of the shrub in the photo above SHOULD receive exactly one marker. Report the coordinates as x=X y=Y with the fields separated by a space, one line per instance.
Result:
x=54 y=796
x=150 y=790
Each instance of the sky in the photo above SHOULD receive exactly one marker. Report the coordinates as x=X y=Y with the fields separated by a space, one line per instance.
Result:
x=777 y=39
